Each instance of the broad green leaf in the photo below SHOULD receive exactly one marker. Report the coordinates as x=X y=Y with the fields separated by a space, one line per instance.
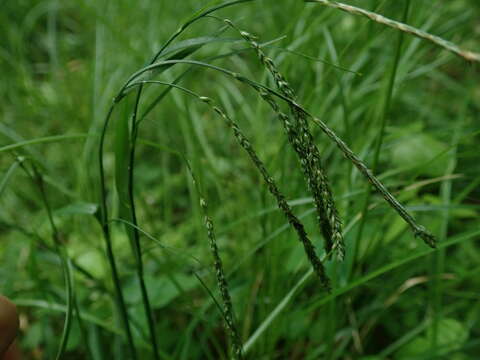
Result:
x=94 y=261
x=417 y=346
x=422 y=150
x=451 y=334
x=162 y=290
x=80 y=208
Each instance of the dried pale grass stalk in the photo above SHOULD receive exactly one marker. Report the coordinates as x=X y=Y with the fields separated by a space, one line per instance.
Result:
x=447 y=45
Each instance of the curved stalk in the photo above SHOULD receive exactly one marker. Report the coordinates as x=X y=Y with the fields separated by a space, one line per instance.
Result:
x=108 y=241
x=417 y=229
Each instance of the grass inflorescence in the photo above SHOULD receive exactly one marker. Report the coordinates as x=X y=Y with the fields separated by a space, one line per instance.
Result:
x=301 y=139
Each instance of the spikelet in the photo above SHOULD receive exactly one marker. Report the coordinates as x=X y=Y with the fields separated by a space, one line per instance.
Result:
x=273 y=188
x=222 y=283
x=302 y=142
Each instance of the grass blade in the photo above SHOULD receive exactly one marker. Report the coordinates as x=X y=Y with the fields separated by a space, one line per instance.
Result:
x=282 y=203
x=352 y=285
x=46 y=139
x=381 y=132
x=37 y=179
x=418 y=230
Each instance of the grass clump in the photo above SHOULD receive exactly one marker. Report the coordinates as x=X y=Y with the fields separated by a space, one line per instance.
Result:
x=165 y=277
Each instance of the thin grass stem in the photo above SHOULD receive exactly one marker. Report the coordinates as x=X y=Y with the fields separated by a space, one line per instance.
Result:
x=381 y=133
x=302 y=142
x=136 y=237
x=133 y=135
x=108 y=241
x=228 y=312
x=282 y=203
x=37 y=179
x=417 y=229
x=46 y=139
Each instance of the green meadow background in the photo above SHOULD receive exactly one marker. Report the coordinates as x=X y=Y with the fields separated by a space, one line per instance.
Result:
x=63 y=62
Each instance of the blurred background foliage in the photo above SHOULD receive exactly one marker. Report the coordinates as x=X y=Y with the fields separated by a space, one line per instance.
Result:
x=62 y=63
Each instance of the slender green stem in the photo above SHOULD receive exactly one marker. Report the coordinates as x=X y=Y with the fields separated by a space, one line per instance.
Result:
x=348 y=287
x=270 y=182
x=43 y=245
x=195 y=18
x=45 y=139
x=83 y=330
x=228 y=312
x=37 y=178
x=159 y=98
x=108 y=241
x=438 y=258
x=332 y=314
x=136 y=236
x=282 y=203
x=104 y=209
x=302 y=141
x=133 y=135
x=417 y=229
x=381 y=133
x=68 y=274
x=10 y=172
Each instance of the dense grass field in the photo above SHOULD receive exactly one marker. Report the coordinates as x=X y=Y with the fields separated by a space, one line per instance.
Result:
x=155 y=211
